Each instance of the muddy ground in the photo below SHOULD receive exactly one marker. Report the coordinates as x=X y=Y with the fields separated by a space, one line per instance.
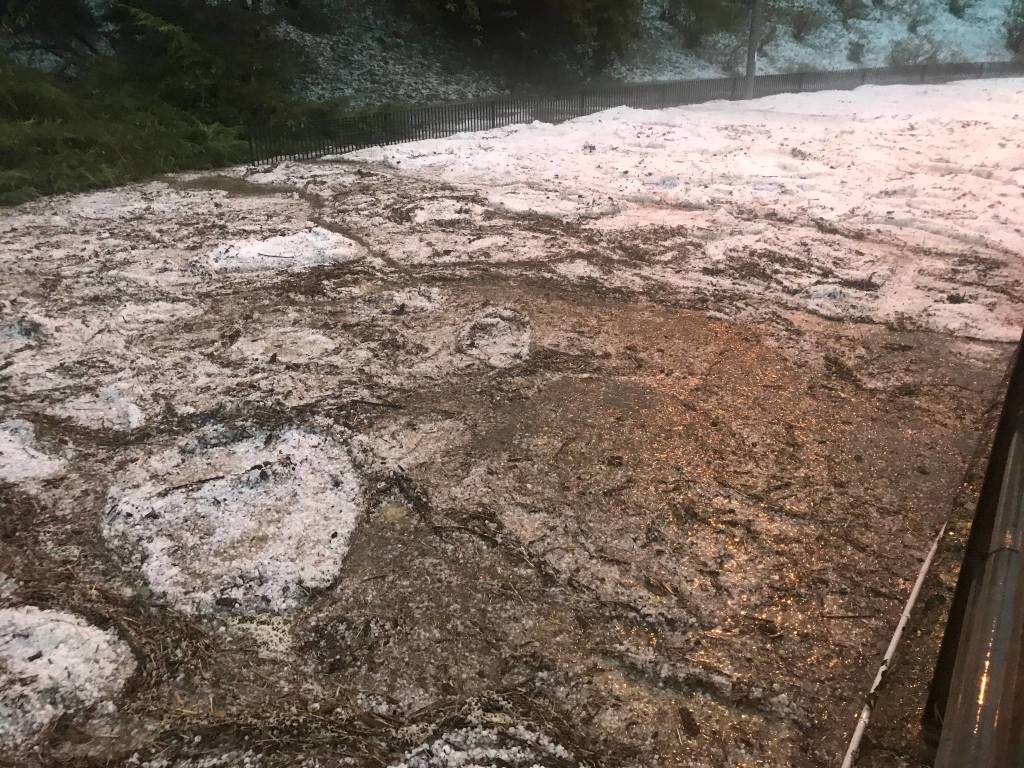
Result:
x=596 y=519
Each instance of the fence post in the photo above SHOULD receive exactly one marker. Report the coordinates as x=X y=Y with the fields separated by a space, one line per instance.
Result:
x=863 y=76
x=924 y=71
x=733 y=96
x=800 y=83
x=664 y=95
x=583 y=102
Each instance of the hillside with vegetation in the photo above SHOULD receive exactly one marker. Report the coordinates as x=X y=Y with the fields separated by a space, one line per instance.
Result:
x=100 y=92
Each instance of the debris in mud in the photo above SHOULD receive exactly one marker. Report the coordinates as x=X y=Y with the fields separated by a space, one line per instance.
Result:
x=580 y=495
x=309 y=248
x=418 y=299
x=25 y=329
x=347 y=642
x=498 y=337
x=20 y=457
x=53 y=663
x=407 y=443
x=486 y=747
x=246 y=524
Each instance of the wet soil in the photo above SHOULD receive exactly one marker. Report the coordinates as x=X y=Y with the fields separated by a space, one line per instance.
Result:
x=660 y=536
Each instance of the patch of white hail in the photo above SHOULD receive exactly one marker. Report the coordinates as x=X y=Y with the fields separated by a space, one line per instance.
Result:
x=20 y=457
x=498 y=337
x=225 y=760
x=52 y=663
x=248 y=523
x=107 y=408
x=309 y=248
x=483 y=747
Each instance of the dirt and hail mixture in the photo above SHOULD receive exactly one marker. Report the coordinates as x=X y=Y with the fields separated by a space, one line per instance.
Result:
x=614 y=443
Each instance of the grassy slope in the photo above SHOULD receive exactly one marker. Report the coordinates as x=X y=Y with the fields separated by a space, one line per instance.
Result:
x=58 y=137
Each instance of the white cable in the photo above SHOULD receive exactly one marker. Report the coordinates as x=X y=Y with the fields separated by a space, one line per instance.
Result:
x=865 y=713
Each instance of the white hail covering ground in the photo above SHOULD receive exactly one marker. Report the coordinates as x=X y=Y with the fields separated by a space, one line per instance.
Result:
x=248 y=524
x=310 y=248
x=108 y=408
x=487 y=747
x=896 y=188
x=53 y=663
x=498 y=337
x=21 y=458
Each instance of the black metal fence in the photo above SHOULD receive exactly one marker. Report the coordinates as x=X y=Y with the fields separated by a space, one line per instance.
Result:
x=395 y=125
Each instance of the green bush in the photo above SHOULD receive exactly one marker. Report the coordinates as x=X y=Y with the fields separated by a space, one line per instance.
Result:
x=802 y=17
x=959 y=7
x=912 y=51
x=174 y=74
x=579 y=34
x=697 y=20
x=64 y=29
x=853 y=9
x=58 y=137
x=219 y=62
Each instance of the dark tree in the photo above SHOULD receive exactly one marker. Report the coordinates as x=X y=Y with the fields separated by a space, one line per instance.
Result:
x=66 y=29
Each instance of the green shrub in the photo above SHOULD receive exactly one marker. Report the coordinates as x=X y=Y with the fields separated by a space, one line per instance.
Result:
x=911 y=51
x=175 y=72
x=65 y=29
x=58 y=137
x=959 y=7
x=219 y=62
x=704 y=17
x=581 y=34
x=803 y=17
x=26 y=94
x=853 y=9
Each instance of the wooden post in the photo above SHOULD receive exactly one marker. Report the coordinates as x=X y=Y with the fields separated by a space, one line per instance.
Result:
x=756 y=12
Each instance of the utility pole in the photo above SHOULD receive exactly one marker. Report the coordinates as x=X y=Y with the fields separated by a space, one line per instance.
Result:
x=756 y=14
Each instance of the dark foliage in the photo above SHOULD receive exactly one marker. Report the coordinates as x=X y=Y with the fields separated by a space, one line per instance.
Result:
x=144 y=89
x=1015 y=28
x=64 y=29
x=575 y=34
x=61 y=137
